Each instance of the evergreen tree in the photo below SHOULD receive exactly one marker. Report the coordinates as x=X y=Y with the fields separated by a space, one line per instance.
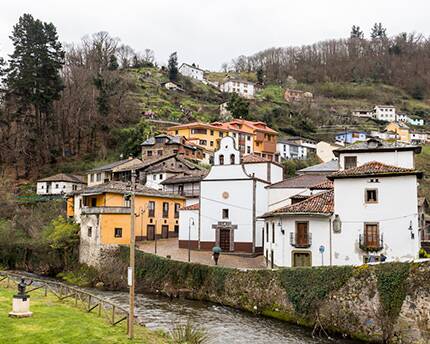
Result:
x=260 y=75
x=172 y=67
x=238 y=106
x=356 y=32
x=378 y=31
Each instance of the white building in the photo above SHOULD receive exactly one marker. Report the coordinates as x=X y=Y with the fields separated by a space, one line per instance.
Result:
x=418 y=138
x=362 y=113
x=384 y=135
x=243 y=88
x=324 y=150
x=232 y=196
x=371 y=210
x=104 y=174
x=290 y=150
x=385 y=113
x=410 y=120
x=192 y=71
x=59 y=184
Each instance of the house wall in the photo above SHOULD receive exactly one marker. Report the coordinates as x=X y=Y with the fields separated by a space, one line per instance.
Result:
x=153 y=180
x=191 y=72
x=245 y=89
x=186 y=218
x=98 y=178
x=188 y=134
x=396 y=209
x=325 y=151
x=319 y=228
x=56 y=188
x=397 y=158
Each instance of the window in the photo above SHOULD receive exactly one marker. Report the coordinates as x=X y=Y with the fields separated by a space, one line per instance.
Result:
x=127 y=201
x=149 y=153
x=99 y=177
x=177 y=206
x=273 y=232
x=56 y=186
x=203 y=142
x=221 y=134
x=176 y=132
x=74 y=187
x=225 y=213
x=248 y=138
x=90 y=231
x=160 y=176
x=154 y=177
x=212 y=132
x=350 y=162
x=160 y=152
x=93 y=202
x=118 y=233
x=92 y=177
x=248 y=150
x=221 y=159
x=212 y=143
x=232 y=159
x=371 y=235
x=165 y=209
x=151 y=208
x=198 y=131
x=371 y=196
x=267 y=231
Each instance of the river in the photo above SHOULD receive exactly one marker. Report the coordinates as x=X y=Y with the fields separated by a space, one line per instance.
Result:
x=223 y=324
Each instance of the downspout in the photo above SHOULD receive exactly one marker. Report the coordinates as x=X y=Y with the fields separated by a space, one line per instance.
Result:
x=331 y=241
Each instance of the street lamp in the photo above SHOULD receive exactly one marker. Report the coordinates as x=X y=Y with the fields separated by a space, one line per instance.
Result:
x=190 y=222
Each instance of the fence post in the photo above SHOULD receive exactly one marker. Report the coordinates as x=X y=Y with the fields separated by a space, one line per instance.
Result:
x=89 y=301
x=113 y=315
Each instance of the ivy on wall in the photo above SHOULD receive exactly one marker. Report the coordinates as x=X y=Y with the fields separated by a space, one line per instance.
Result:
x=307 y=287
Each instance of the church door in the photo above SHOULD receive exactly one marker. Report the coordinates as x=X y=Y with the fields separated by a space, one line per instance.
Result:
x=224 y=239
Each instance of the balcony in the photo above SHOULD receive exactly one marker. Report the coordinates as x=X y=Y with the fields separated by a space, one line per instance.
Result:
x=302 y=241
x=371 y=244
x=105 y=210
x=269 y=147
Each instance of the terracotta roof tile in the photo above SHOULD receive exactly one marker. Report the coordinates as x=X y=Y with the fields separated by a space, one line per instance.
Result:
x=302 y=181
x=374 y=168
x=64 y=177
x=250 y=158
x=195 y=206
x=319 y=204
x=325 y=185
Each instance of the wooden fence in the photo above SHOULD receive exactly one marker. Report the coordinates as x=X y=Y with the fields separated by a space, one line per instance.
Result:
x=89 y=302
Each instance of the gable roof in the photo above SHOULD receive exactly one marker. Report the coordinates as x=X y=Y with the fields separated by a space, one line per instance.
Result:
x=325 y=185
x=374 y=168
x=191 y=66
x=375 y=145
x=319 y=204
x=124 y=188
x=325 y=167
x=184 y=179
x=64 y=177
x=108 y=167
x=303 y=181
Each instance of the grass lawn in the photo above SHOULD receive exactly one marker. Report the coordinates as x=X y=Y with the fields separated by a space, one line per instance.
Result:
x=56 y=322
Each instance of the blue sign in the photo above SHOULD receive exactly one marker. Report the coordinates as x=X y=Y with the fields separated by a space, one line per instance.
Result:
x=322 y=249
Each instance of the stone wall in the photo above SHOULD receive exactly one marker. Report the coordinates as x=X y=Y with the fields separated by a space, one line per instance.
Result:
x=343 y=300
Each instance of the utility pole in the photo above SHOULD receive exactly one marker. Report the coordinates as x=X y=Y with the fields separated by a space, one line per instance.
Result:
x=132 y=257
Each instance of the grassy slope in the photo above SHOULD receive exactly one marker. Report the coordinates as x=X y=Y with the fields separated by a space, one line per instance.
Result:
x=55 y=322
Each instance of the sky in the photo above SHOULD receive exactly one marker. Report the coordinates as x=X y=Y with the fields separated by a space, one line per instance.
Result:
x=210 y=32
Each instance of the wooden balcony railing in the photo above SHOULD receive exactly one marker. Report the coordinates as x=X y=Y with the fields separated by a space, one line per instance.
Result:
x=371 y=245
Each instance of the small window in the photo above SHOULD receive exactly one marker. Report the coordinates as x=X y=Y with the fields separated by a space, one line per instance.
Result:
x=248 y=150
x=118 y=233
x=232 y=159
x=90 y=232
x=149 y=153
x=221 y=159
x=221 y=134
x=41 y=187
x=176 y=132
x=273 y=232
x=177 y=206
x=93 y=202
x=225 y=213
x=151 y=208
x=99 y=177
x=350 y=162
x=92 y=178
x=160 y=152
x=165 y=209
x=267 y=231
x=212 y=143
x=56 y=186
x=160 y=176
x=212 y=132
x=371 y=196
x=154 y=177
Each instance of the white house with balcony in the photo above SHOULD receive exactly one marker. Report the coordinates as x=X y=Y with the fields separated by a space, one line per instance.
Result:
x=232 y=197
x=370 y=214
x=192 y=71
x=243 y=88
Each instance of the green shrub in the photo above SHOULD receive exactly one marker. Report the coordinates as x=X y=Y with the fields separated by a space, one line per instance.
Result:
x=82 y=276
x=189 y=334
x=307 y=287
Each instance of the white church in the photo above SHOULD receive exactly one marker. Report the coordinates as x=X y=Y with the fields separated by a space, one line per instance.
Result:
x=233 y=197
x=367 y=211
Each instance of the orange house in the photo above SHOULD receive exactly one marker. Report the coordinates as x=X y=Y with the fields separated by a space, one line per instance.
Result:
x=104 y=214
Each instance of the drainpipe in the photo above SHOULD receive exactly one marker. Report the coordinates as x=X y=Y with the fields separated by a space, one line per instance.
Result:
x=331 y=241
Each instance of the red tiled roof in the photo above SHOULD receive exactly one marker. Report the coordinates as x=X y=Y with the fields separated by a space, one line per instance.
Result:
x=325 y=185
x=253 y=158
x=195 y=206
x=374 y=168
x=320 y=204
x=302 y=181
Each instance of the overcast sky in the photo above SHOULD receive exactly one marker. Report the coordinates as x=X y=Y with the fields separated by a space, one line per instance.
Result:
x=210 y=32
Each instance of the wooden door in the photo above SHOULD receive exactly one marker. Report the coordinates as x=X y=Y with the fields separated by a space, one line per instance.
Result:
x=164 y=231
x=301 y=259
x=371 y=235
x=150 y=232
x=302 y=237
x=224 y=239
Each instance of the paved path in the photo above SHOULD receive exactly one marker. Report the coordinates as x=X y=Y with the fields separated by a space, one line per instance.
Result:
x=170 y=247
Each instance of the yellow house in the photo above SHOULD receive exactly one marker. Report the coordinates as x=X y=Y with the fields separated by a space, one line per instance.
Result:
x=104 y=213
x=401 y=129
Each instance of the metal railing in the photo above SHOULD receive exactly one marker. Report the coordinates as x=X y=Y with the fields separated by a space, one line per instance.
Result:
x=303 y=242
x=371 y=245
x=110 y=311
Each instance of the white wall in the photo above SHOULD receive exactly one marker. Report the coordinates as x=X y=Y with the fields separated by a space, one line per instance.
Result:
x=245 y=89
x=56 y=188
x=325 y=151
x=280 y=197
x=153 y=180
x=101 y=176
x=185 y=224
x=396 y=158
x=191 y=72
x=396 y=208
x=319 y=228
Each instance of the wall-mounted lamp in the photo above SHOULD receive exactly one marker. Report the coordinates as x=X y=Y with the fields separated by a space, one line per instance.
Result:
x=337 y=224
x=411 y=230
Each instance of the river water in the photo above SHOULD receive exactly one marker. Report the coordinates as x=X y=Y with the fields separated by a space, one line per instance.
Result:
x=223 y=324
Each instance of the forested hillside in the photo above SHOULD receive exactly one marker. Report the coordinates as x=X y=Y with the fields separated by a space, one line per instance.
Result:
x=66 y=108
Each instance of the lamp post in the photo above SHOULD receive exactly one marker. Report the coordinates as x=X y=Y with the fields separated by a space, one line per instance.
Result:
x=190 y=222
x=132 y=257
